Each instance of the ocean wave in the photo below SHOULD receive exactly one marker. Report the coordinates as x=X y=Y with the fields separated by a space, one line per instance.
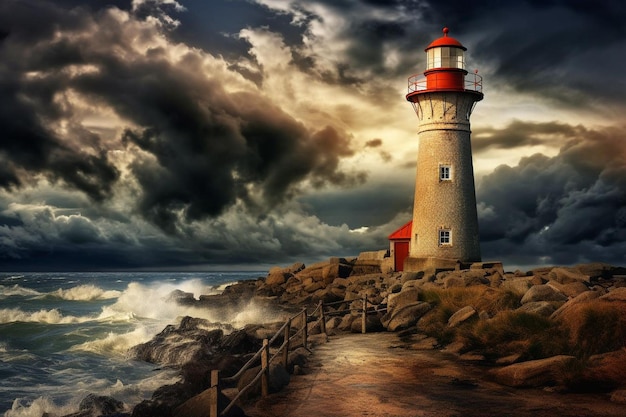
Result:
x=154 y=301
x=17 y=290
x=84 y=293
x=39 y=407
x=131 y=393
x=114 y=343
x=54 y=316
x=13 y=277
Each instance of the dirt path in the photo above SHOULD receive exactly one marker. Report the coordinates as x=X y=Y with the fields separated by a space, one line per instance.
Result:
x=371 y=375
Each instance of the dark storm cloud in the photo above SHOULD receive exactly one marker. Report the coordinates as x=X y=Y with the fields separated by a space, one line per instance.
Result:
x=209 y=147
x=214 y=26
x=519 y=134
x=571 y=206
x=28 y=105
x=559 y=49
x=367 y=31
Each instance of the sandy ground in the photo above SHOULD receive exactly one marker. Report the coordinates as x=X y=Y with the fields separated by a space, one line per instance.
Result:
x=372 y=375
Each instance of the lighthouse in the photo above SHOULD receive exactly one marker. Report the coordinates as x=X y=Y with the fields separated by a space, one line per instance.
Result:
x=445 y=221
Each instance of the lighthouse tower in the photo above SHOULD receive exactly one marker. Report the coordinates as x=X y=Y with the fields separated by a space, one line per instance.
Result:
x=445 y=221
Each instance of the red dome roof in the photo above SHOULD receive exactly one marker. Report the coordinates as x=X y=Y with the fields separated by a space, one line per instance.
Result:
x=445 y=40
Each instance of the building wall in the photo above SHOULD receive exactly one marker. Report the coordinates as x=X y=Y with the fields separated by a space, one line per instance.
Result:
x=444 y=139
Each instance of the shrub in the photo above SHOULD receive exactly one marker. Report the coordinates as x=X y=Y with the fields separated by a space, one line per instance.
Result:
x=435 y=324
x=512 y=332
x=446 y=302
x=605 y=372
x=482 y=298
x=596 y=327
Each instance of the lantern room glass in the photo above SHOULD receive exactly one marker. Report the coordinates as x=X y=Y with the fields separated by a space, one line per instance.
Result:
x=445 y=57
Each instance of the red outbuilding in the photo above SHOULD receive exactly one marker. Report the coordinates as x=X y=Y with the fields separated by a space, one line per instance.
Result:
x=399 y=244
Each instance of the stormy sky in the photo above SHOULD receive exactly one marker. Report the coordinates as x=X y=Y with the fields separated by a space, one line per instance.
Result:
x=173 y=134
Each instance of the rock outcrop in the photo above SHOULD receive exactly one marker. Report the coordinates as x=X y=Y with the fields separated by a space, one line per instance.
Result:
x=541 y=372
x=407 y=302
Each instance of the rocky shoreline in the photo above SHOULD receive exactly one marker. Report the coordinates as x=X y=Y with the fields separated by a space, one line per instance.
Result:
x=558 y=328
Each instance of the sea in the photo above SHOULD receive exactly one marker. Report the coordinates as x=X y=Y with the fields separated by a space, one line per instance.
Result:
x=66 y=335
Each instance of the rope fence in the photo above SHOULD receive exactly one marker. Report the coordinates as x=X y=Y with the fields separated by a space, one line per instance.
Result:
x=299 y=339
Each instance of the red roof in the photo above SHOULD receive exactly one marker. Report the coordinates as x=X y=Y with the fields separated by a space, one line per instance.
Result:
x=402 y=233
x=445 y=40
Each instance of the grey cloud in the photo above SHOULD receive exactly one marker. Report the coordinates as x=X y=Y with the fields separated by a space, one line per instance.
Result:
x=520 y=133
x=27 y=104
x=209 y=146
x=570 y=206
x=39 y=238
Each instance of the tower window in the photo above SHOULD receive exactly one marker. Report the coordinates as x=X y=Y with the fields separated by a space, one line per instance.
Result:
x=445 y=237
x=445 y=173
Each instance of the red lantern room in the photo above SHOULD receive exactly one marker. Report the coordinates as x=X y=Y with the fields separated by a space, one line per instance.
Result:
x=445 y=69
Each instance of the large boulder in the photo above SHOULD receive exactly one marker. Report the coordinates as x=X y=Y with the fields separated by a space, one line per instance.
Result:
x=573 y=302
x=336 y=268
x=542 y=308
x=571 y=289
x=177 y=345
x=405 y=317
x=363 y=267
x=463 y=278
x=517 y=285
x=543 y=293
x=277 y=277
x=181 y=297
x=599 y=270
x=278 y=379
x=407 y=295
x=617 y=294
x=537 y=373
x=461 y=315
x=372 y=324
x=567 y=275
x=606 y=371
x=328 y=295
x=198 y=406
x=346 y=322
x=98 y=405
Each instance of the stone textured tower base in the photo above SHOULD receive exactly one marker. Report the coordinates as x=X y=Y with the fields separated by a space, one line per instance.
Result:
x=445 y=220
x=438 y=264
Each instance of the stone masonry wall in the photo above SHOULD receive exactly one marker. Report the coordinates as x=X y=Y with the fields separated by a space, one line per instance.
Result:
x=444 y=135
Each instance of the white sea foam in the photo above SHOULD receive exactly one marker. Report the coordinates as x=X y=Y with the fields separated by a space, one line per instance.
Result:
x=8 y=355
x=116 y=344
x=54 y=316
x=85 y=293
x=13 y=277
x=39 y=407
x=17 y=290
x=154 y=301
x=220 y=288
x=129 y=393
x=254 y=313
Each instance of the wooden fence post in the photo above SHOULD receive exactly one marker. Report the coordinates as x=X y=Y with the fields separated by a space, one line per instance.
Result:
x=364 y=316
x=286 y=344
x=305 y=330
x=322 y=318
x=265 y=368
x=214 y=393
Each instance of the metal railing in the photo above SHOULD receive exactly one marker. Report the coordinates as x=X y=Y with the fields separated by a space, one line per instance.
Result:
x=472 y=82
